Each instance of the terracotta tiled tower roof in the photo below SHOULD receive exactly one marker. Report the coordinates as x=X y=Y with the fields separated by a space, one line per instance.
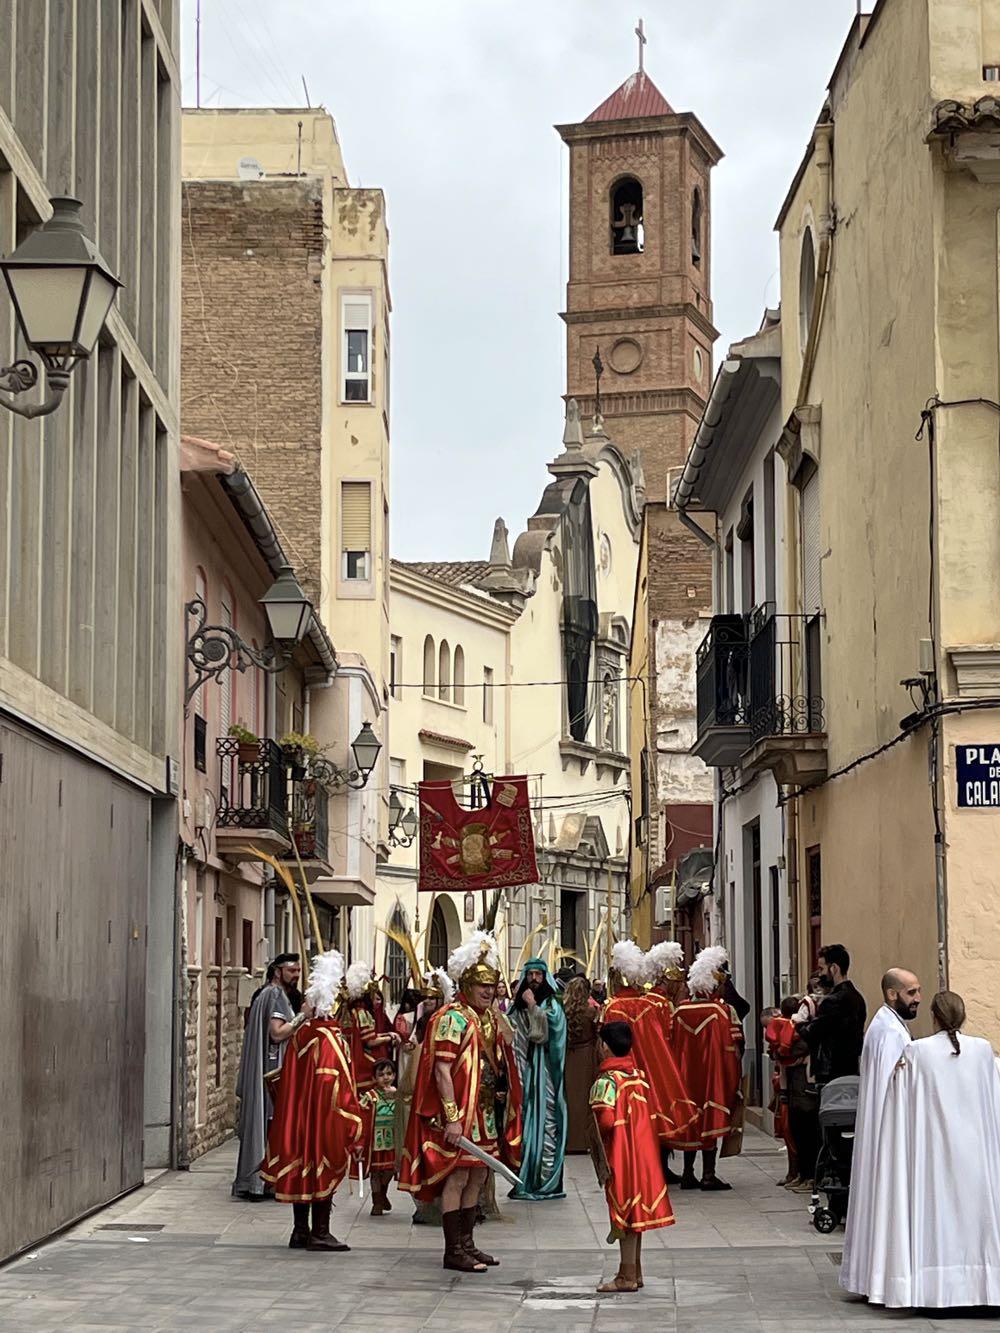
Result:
x=638 y=96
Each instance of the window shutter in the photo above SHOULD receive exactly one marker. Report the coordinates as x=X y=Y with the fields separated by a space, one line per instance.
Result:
x=355 y=516
x=811 y=592
x=357 y=315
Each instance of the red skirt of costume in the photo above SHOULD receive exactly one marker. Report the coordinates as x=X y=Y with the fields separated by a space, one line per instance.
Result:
x=637 y=1191
x=649 y=1015
x=455 y=1037
x=317 y=1120
x=707 y=1040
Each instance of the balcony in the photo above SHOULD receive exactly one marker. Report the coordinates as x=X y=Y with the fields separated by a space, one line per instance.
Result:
x=722 y=670
x=253 y=797
x=759 y=704
x=310 y=829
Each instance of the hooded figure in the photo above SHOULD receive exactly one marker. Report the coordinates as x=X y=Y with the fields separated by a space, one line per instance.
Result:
x=540 y=1044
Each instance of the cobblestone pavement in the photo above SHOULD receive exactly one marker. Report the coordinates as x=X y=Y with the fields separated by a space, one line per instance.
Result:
x=180 y=1253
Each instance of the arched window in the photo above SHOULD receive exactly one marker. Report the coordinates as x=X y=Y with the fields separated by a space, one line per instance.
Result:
x=696 y=224
x=627 y=233
x=458 y=678
x=437 y=944
x=444 y=670
x=807 y=287
x=428 y=665
x=397 y=969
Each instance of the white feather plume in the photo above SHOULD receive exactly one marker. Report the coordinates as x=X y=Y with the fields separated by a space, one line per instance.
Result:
x=359 y=977
x=628 y=959
x=661 y=958
x=437 y=976
x=326 y=973
x=471 y=952
x=702 y=976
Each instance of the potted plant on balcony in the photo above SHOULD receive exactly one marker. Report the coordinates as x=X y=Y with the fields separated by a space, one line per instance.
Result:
x=299 y=748
x=248 y=745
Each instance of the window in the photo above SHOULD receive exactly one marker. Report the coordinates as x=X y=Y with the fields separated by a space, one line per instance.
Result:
x=397 y=772
x=247 y=945
x=395 y=666
x=356 y=530
x=807 y=287
x=745 y=532
x=627 y=235
x=437 y=946
x=814 y=887
x=696 y=223
x=200 y=728
x=428 y=665
x=488 y=695
x=444 y=670
x=458 y=676
x=357 y=348
x=226 y=686
x=991 y=73
x=397 y=968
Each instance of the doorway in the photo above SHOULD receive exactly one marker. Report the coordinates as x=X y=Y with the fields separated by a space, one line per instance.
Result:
x=754 y=925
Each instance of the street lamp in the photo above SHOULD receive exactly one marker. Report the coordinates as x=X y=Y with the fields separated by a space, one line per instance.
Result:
x=213 y=649
x=61 y=289
x=403 y=824
x=366 y=748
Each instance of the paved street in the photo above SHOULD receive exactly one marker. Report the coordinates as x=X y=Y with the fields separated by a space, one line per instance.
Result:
x=181 y=1254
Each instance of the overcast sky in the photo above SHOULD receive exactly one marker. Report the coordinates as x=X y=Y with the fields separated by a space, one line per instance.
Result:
x=448 y=105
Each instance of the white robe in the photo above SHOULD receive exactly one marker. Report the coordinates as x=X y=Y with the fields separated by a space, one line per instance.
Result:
x=937 y=1211
x=885 y=1041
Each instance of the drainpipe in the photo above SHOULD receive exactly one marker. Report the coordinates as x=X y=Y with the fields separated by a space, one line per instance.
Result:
x=181 y=1157
x=696 y=528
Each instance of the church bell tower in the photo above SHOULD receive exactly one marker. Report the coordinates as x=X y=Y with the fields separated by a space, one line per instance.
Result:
x=639 y=287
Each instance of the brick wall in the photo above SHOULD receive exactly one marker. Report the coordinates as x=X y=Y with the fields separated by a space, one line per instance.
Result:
x=678 y=563
x=251 y=350
x=218 y=1107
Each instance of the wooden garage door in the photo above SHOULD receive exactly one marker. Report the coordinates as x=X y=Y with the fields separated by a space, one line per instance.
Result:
x=74 y=872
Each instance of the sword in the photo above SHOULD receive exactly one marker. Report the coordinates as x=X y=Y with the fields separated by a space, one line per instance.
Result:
x=361 y=1181
x=493 y=1163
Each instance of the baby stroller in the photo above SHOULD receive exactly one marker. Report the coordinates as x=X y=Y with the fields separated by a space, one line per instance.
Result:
x=838 y=1112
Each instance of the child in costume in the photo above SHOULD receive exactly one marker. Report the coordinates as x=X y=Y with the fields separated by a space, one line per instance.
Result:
x=380 y=1135
x=634 y=1183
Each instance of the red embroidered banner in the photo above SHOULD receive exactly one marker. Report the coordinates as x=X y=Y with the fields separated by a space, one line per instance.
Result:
x=489 y=848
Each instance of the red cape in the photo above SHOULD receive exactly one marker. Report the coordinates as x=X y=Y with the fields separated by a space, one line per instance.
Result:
x=637 y=1192
x=367 y=1044
x=650 y=1017
x=707 y=1042
x=317 y=1119
x=454 y=1036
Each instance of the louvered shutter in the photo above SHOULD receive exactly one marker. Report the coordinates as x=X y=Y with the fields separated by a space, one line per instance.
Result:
x=811 y=591
x=356 y=516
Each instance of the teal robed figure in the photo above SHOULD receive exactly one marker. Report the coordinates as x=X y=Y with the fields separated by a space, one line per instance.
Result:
x=539 y=1024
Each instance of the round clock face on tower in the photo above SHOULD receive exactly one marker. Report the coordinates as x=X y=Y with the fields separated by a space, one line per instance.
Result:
x=625 y=356
x=604 y=555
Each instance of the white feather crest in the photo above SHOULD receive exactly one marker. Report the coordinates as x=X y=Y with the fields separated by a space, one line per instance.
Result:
x=359 y=977
x=702 y=976
x=479 y=947
x=661 y=958
x=628 y=959
x=326 y=973
x=437 y=976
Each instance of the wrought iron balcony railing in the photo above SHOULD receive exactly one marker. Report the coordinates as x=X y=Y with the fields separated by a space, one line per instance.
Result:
x=310 y=820
x=757 y=676
x=253 y=787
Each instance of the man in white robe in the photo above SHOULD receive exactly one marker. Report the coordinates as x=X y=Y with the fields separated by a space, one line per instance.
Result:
x=937 y=1211
x=886 y=1039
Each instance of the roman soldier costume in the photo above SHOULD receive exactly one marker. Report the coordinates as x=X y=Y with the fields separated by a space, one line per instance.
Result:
x=317 y=1123
x=650 y=1017
x=481 y=1063
x=356 y=1015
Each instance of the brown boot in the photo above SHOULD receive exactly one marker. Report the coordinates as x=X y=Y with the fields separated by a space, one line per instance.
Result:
x=455 y=1255
x=638 y=1261
x=299 y=1238
x=321 y=1238
x=624 y=1280
x=468 y=1226
x=378 y=1200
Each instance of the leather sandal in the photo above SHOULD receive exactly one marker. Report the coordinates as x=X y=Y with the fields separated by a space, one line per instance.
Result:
x=624 y=1281
x=455 y=1255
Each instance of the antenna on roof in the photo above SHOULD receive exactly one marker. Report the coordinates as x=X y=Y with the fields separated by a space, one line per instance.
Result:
x=305 y=88
x=641 y=34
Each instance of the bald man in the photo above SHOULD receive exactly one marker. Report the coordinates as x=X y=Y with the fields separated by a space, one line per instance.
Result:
x=886 y=1039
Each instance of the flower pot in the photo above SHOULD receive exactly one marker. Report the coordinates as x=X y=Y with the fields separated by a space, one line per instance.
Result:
x=248 y=751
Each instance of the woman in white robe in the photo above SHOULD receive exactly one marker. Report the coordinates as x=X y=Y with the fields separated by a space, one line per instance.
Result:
x=936 y=1234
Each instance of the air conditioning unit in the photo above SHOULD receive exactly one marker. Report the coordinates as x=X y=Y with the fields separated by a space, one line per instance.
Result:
x=663 y=906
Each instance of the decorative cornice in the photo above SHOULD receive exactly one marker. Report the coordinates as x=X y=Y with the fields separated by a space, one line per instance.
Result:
x=642 y=402
x=977 y=670
x=629 y=314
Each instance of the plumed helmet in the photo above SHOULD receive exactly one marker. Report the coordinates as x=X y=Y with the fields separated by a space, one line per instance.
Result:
x=665 y=959
x=326 y=976
x=629 y=961
x=358 y=980
x=708 y=970
x=437 y=985
x=477 y=961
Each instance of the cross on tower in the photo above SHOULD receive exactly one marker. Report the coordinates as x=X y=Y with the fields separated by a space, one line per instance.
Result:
x=640 y=33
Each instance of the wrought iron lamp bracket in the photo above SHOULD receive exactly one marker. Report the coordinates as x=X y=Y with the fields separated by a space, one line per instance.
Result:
x=331 y=776
x=213 y=649
x=20 y=377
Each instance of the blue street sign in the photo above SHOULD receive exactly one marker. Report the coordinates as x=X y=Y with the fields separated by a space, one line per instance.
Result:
x=978 y=770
